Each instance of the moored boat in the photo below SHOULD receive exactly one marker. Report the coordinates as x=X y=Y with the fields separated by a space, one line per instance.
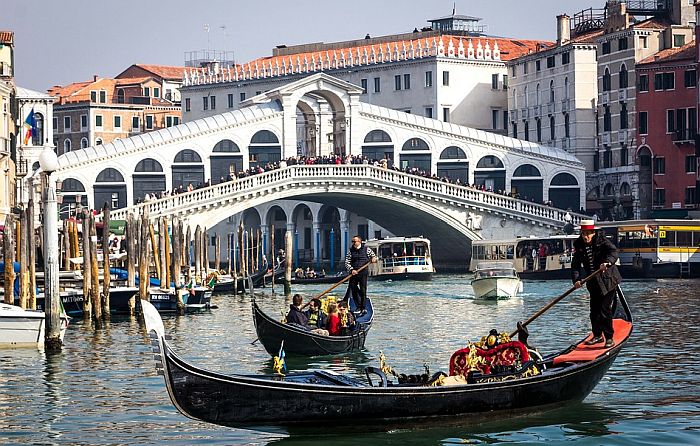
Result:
x=165 y=300
x=307 y=398
x=24 y=328
x=401 y=258
x=319 y=279
x=300 y=341
x=495 y=280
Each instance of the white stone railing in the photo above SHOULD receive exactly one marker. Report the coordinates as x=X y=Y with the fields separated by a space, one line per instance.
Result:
x=303 y=176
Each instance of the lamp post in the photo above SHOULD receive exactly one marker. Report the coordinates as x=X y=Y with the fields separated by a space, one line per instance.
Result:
x=49 y=163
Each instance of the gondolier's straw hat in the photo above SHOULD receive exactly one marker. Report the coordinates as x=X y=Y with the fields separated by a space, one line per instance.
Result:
x=587 y=225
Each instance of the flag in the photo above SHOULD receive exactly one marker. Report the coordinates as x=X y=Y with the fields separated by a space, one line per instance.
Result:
x=29 y=127
x=279 y=364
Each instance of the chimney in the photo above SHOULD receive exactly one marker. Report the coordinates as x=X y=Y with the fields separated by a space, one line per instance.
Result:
x=94 y=78
x=563 y=29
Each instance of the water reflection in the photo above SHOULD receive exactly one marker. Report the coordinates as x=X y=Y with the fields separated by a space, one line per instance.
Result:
x=102 y=388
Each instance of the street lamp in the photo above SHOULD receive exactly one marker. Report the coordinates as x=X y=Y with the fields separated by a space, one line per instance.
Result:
x=48 y=161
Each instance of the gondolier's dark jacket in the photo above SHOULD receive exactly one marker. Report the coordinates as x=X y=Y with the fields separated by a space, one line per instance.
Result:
x=357 y=258
x=603 y=251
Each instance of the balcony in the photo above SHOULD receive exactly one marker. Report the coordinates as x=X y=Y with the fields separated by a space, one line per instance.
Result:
x=684 y=136
x=524 y=113
x=4 y=146
x=605 y=138
x=140 y=100
x=622 y=136
x=550 y=108
x=513 y=115
x=622 y=94
x=537 y=111
x=605 y=97
x=565 y=143
x=565 y=105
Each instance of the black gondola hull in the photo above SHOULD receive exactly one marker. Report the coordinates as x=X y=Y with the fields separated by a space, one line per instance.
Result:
x=297 y=341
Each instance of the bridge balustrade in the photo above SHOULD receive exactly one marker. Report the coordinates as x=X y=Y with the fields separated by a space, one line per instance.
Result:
x=326 y=174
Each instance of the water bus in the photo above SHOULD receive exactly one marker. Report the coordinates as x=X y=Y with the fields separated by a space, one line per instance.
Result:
x=656 y=248
x=401 y=258
x=546 y=257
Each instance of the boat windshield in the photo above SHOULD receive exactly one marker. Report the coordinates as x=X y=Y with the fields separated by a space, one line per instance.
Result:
x=482 y=274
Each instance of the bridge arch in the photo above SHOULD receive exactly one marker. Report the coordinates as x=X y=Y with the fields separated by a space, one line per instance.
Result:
x=110 y=188
x=187 y=168
x=226 y=158
x=377 y=144
x=565 y=192
x=454 y=164
x=302 y=218
x=264 y=148
x=527 y=182
x=329 y=236
x=490 y=173
x=73 y=193
x=148 y=179
x=416 y=153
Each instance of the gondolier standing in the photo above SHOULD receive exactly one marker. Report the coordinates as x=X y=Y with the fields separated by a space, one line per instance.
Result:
x=358 y=255
x=592 y=250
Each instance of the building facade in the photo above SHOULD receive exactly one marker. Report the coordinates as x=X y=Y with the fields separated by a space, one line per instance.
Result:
x=446 y=72
x=8 y=132
x=101 y=110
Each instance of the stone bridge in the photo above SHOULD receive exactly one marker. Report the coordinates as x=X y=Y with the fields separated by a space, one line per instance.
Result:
x=449 y=215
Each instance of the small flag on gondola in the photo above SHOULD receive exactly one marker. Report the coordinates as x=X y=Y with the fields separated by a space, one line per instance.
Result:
x=279 y=366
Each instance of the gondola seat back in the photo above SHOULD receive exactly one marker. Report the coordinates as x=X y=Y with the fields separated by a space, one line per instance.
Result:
x=504 y=357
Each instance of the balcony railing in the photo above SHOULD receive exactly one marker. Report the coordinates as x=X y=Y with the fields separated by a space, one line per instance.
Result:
x=622 y=94
x=550 y=108
x=685 y=135
x=605 y=97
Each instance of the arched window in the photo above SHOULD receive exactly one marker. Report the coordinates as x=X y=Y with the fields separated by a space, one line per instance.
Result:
x=415 y=144
x=83 y=143
x=606 y=80
x=452 y=153
x=110 y=175
x=564 y=179
x=566 y=88
x=38 y=133
x=608 y=191
x=526 y=99
x=377 y=136
x=264 y=137
x=625 y=189
x=623 y=76
x=537 y=94
x=551 y=91
x=188 y=156
x=148 y=165
x=66 y=145
x=527 y=170
x=120 y=96
x=226 y=146
x=489 y=162
x=515 y=98
x=72 y=185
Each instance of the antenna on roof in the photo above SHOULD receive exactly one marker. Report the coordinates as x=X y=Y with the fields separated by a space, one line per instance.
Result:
x=454 y=8
x=206 y=30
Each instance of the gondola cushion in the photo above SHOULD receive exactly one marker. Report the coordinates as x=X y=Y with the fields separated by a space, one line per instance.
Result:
x=507 y=354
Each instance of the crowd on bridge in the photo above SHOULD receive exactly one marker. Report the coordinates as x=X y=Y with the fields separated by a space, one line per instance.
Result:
x=337 y=160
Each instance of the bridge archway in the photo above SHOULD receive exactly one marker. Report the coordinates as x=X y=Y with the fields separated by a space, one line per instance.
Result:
x=264 y=148
x=490 y=173
x=564 y=192
x=148 y=179
x=73 y=195
x=454 y=164
x=187 y=169
x=226 y=159
x=302 y=217
x=277 y=217
x=110 y=188
x=415 y=153
x=378 y=145
x=527 y=183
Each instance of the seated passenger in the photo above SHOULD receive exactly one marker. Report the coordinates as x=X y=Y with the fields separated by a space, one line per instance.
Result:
x=323 y=273
x=299 y=273
x=295 y=315
x=334 y=328
x=347 y=319
x=317 y=318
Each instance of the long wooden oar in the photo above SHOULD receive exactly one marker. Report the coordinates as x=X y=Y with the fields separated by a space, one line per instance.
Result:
x=346 y=278
x=522 y=325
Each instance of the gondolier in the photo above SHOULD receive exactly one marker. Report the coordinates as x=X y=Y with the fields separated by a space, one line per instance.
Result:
x=592 y=250
x=358 y=255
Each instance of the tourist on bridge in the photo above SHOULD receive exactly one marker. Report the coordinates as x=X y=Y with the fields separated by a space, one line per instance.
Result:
x=592 y=250
x=358 y=255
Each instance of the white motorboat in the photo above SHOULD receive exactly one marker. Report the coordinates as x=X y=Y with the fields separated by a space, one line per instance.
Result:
x=496 y=280
x=24 y=328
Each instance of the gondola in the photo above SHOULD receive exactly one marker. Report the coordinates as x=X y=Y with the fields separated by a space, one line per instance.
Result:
x=300 y=341
x=320 y=280
x=225 y=283
x=310 y=398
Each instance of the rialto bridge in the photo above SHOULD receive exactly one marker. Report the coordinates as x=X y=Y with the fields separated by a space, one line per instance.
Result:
x=324 y=115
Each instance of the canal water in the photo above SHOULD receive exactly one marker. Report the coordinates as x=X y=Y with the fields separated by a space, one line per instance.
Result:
x=102 y=388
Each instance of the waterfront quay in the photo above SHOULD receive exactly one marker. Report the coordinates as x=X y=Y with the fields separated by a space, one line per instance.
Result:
x=103 y=389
